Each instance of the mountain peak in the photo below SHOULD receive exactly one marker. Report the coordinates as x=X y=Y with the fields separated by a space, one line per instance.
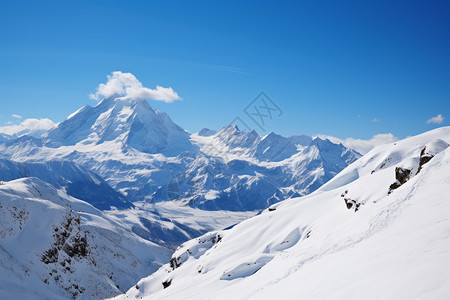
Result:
x=206 y=132
x=124 y=121
x=230 y=128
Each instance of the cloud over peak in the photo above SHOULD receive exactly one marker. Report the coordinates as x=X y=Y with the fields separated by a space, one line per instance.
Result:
x=363 y=146
x=127 y=86
x=28 y=126
x=439 y=119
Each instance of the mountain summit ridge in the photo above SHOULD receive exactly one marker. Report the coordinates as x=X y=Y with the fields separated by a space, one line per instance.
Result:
x=143 y=154
x=127 y=122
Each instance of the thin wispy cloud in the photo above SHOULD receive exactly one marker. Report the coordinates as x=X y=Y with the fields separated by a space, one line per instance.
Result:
x=375 y=120
x=16 y=116
x=227 y=69
x=439 y=119
x=127 y=86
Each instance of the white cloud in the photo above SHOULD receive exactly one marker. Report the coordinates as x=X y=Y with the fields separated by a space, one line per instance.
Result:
x=375 y=120
x=29 y=126
x=363 y=146
x=127 y=86
x=439 y=119
x=16 y=116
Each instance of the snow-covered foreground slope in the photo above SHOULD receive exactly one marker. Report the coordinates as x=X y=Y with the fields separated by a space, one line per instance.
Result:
x=378 y=230
x=170 y=225
x=54 y=246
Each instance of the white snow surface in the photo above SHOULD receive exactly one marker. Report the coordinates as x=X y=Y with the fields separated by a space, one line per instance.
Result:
x=53 y=246
x=350 y=239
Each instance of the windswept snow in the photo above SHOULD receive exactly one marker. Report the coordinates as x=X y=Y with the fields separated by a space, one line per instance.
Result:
x=351 y=239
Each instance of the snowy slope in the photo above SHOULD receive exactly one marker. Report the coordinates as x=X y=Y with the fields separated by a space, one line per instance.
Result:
x=169 y=224
x=76 y=180
x=53 y=246
x=378 y=230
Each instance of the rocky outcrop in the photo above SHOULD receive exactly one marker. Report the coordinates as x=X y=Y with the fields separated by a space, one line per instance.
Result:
x=350 y=203
x=402 y=176
x=424 y=158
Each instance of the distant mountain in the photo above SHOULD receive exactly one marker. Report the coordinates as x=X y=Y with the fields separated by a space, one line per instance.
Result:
x=121 y=122
x=143 y=155
x=4 y=137
x=379 y=229
x=76 y=180
x=242 y=170
x=206 y=132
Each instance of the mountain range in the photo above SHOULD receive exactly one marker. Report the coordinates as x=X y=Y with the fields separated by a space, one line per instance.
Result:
x=119 y=192
x=124 y=179
x=142 y=154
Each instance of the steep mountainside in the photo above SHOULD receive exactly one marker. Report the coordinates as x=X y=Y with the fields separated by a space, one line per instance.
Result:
x=123 y=122
x=53 y=246
x=256 y=168
x=369 y=233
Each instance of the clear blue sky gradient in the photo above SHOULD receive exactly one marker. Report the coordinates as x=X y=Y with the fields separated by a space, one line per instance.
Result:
x=331 y=66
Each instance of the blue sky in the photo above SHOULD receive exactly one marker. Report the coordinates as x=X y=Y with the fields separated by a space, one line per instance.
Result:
x=341 y=68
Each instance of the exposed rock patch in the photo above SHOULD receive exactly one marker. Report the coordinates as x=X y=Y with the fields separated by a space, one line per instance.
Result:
x=350 y=203
x=69 y=243
x=402 y=176
x=167 y=283
x=424 y=158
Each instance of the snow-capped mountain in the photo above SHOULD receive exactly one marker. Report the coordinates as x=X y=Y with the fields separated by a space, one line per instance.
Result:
x=4 y=137
x=255 y=168
x=73 y=178
x=142 y=154
x=53 y=246
x=124 y=122
x=379 y=229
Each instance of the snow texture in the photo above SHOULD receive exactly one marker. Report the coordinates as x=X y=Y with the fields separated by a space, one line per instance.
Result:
x=54 y=246
x=350 y=239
